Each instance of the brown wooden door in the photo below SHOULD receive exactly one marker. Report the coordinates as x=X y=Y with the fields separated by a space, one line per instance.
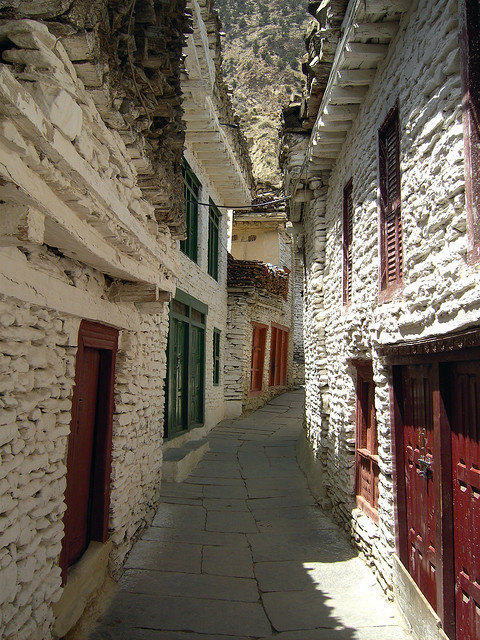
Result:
x=259 y=338
x=82 y=457
x=87 y=494
x=465 y=419
x=419 y=468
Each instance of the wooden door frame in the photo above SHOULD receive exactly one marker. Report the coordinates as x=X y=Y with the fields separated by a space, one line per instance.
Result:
x=105 y=339
x=438 y=351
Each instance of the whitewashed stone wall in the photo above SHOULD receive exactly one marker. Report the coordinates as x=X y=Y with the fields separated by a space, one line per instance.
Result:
x=297 y=278
x=195 y=280
x=74 y=213
x=38 y=346
x=441 y=290
x=36 y=381
x=244 y=307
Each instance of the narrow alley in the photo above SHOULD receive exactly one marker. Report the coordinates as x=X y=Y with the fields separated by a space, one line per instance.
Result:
x=241 y=550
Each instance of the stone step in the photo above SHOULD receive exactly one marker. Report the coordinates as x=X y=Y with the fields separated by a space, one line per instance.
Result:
x=179 y=462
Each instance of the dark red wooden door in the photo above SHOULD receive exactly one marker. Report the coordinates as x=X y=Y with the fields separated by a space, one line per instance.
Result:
x=81 y=460
x=466 y=496
x=87 y=495
x=418 y=441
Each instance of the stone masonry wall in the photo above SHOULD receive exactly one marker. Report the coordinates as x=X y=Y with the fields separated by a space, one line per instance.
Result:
x=297 y=334
x=37 y=369
x=441 y=290
x=245 y=307
x=36 y=381
x=195 y=280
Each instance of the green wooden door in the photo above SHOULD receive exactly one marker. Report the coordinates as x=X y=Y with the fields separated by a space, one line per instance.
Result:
x=184 y=406
x=195 y=380
x=176 y=395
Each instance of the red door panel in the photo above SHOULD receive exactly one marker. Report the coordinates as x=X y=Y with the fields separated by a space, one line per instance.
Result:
x=418 y=441
x=81 y=460
x=466 y=496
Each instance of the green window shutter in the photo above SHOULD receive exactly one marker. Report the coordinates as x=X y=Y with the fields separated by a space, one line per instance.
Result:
x=191 y=186
x=214 y=217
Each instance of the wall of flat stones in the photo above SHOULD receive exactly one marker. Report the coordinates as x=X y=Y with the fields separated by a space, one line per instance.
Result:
x=44 y=297
x=38 y=347
x=195 y=280
x=298 y=364
x=244 y=307
x=441 y=289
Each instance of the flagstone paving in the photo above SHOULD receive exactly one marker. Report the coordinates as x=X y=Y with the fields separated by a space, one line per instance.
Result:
x=241 y=551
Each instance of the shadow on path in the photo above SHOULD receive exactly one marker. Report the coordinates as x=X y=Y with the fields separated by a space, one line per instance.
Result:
x=241 y=550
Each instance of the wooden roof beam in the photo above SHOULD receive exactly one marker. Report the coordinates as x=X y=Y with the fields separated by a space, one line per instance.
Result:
x=375 y=29
x=355 y=77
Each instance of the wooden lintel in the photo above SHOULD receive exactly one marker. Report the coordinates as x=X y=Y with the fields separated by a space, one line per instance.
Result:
x=138 y=292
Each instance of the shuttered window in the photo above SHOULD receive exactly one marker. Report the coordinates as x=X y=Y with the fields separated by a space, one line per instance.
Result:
x=347 y=242
x=214 y=217
x=470 y=46
x=278 y=356
x=191 y=186
x=366 y=455
x=259 y=340
x=391 y=249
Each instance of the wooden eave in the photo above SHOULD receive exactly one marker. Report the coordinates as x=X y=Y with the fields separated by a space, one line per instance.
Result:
x=366 y=32
x=210 y=136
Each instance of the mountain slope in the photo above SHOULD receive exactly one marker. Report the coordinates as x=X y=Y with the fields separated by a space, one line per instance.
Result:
x=262 y=50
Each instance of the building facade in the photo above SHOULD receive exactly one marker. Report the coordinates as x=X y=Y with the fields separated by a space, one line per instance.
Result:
x=92 y=182
x=384 y=185
x=259 y=353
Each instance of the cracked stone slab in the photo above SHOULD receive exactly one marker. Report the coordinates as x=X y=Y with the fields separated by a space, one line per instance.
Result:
x=199 y=615
x=228 y=561
x=170 y=556
x=168 y=583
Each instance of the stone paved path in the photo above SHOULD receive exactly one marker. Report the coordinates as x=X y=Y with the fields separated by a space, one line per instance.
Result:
x=240 y=550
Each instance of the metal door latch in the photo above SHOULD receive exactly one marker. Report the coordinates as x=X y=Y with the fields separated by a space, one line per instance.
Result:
x=425 y=463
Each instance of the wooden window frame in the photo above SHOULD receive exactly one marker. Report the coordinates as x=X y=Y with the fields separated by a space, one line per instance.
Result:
x=214 y=221
x=216 y=357
x=470 y=52
x=347 y=242
x=278 y=355
x=366 y=440
x=192 y=187
x=391 y=238
x=256 y=380
x=185 y=307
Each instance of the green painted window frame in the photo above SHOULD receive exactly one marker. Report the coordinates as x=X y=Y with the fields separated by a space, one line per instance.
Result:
x=214 y=219
x=194 y=315
x=192 y=186
x=216 y=357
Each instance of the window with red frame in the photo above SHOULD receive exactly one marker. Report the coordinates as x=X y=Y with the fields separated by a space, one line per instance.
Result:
x=259 y=340
x=347 y=242
x=278 y=356
x=391 y=244
x=470 y=47
x=366 y=455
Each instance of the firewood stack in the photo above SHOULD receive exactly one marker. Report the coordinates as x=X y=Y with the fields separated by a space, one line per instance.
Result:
x=253 y=273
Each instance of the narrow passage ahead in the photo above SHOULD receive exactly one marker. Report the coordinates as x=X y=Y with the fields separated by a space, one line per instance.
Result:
x=241 y=550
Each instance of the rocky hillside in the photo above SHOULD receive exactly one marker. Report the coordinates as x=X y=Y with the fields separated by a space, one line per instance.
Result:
x=262 y=51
